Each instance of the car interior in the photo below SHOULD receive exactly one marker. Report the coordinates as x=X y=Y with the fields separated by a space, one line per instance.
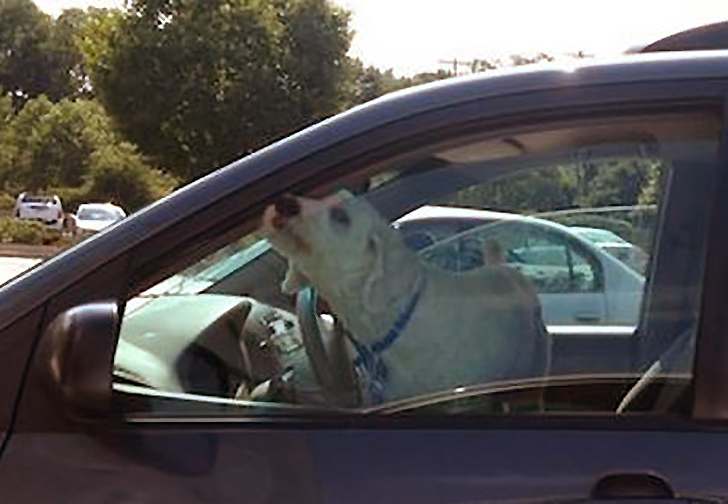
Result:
x=221 y=336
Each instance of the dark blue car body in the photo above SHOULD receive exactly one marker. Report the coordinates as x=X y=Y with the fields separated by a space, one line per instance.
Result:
x=55 y=450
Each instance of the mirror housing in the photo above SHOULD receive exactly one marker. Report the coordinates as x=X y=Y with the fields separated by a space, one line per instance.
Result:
x=77 y=358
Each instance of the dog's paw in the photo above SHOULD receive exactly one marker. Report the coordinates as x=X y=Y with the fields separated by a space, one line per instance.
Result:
x=294 y=281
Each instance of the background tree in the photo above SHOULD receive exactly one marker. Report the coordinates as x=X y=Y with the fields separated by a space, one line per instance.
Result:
x=70 y=148
x=196 y=84
x=531 y=192
x=615 y=182
x=368 y=83
x=118 y=173
x=68 y=55
x=654 y=185
x=37 y=56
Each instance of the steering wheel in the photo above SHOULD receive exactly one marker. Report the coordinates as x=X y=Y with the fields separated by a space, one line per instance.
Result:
x=328 y=356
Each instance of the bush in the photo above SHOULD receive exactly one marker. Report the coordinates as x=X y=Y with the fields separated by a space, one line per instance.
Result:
x=18 y=231
x=28 y=232
x=7 y=203
x=71 y=197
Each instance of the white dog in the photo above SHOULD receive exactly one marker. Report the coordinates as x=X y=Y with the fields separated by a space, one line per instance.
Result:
x=416 y=328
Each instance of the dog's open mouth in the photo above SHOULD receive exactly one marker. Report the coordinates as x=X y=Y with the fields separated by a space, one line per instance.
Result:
x=276 y=226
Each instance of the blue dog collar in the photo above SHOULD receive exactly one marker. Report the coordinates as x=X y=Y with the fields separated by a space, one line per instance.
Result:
x=370 y=368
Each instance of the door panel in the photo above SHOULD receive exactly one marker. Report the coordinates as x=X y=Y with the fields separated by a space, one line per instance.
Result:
x=575 y=309
x=352 y=465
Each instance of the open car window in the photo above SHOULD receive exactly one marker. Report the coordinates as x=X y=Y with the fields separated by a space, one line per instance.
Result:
x=466 y=280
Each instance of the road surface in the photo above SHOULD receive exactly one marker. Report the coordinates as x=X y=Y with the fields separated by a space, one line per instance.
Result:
x=13 y=266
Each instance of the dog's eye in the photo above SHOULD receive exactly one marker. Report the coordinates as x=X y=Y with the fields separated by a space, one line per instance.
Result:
x=340 y=217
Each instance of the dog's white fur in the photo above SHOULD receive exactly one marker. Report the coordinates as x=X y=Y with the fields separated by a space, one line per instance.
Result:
x=466 y=328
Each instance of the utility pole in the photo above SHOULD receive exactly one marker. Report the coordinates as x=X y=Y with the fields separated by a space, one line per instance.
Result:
x=454 y=63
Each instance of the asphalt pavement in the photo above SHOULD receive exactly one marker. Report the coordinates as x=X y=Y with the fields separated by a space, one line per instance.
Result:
x=11 y=267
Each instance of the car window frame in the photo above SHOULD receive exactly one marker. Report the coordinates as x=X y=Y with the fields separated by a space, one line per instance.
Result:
x=711 y=350
x=577 y=243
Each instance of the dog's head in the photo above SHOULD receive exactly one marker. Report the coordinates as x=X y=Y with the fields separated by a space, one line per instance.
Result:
x=340 y=245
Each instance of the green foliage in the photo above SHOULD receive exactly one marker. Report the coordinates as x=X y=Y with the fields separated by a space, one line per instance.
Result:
x=19 y=231
x=7 y=203
x=49 y=145
x=615 y=182
x=14 y=230
x=368 y=83
x=119 y=175
x=69 y=56
x=71 y=149
x=529 y=192
x=198 y=84
x=571 y=192
x=92 y=38
x=584 y=185
x=653 y=186
x=316 y=38
x=37 y=55
x=71 y=197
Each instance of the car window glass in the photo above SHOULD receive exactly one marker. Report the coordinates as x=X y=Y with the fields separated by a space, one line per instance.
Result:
x=532 y=247
x=95 y=214
x=456 y=283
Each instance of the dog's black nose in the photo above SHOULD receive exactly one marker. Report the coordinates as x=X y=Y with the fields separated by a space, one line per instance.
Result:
x=288 y=206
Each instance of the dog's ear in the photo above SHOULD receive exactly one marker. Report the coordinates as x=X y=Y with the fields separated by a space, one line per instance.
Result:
x=345 y=195
x=375 y=246
x=294 y=281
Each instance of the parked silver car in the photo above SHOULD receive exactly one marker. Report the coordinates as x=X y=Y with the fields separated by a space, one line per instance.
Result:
x=630 y=254
x=577 y=282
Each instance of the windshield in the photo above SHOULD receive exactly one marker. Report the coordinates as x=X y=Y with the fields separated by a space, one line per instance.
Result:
x=38 y=199
x=598 y=235
x=97 y=214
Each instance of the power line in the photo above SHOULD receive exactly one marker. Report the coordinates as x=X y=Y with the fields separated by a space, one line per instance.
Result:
x=455 y=62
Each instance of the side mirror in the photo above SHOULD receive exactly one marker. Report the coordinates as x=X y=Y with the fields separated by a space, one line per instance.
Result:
x=77 y=356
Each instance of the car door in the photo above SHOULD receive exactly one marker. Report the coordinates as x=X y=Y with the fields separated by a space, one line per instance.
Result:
x=568 y=277
x=225 y=427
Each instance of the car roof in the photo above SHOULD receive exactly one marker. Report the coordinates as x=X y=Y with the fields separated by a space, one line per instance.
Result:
x=97 y=205
x=706 y=37
x=592 y=231
x=429 y=212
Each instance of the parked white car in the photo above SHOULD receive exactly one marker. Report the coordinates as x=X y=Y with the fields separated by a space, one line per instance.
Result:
x=47 y=209
x=613 y=244
x=578 y=283
x=92 y=217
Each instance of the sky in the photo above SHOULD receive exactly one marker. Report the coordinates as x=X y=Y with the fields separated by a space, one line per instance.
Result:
x=411 y=36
